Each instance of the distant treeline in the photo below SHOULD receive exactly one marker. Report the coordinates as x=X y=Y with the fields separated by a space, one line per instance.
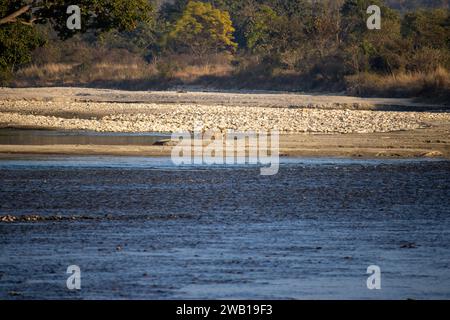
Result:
x=266 y=44
x=407 y=5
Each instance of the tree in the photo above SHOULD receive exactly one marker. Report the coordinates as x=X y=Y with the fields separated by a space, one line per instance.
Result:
x=202 y=29
x=427 y=35
x=243 y=13
x=99 y=15
x=16 y=44
x=427 y=28
x=171 y=11
x=326 y=26
x=18 y=18
x=275 y=38
x=17 y=40
x=264 y=31
x=370 y=50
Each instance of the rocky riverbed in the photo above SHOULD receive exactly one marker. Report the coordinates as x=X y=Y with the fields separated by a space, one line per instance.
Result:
x=140 y=117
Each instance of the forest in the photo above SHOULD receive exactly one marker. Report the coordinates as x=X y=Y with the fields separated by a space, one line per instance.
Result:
x=289 y=45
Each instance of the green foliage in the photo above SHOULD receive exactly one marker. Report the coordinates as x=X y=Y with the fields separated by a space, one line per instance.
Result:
x=19 y=37
x=408 y=5
x=16 y=44
x=97 y=15
x=143 y=40
x=264 y=30
x=323 y=41
x=370 y=50
x=203 y=29
x=171 y=11
x=427 y=28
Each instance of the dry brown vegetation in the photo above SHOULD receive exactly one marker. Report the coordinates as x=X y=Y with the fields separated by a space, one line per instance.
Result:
x=67 y=74
x=124 y=70
x=218 y=71
x=434 y=85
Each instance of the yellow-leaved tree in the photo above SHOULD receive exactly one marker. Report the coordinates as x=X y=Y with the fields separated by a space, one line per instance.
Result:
x=203 y=29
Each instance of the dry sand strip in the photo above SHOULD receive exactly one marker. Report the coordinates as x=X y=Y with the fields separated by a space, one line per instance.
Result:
x=422 y=143
x=10 y=151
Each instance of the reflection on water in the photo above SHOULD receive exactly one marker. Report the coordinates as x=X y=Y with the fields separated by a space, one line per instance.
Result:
x=46 y=137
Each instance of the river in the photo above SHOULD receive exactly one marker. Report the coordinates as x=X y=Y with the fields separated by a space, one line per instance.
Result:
x=165 y=232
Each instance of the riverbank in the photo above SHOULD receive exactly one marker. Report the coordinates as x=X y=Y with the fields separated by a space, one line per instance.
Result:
x=310 y=126
x=428 y=142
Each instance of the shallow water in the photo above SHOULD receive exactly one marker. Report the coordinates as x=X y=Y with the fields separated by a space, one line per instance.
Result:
x=310 y=231
x=57 y=137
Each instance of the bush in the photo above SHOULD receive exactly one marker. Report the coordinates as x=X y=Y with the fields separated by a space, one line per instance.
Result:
x=433 y=85
x=16 y=44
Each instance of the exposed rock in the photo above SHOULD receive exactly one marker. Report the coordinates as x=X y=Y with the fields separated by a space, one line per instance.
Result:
x=50 y=218
x=139 y=117
x=8 y=218
x=433 y=154
x=165 y=142
x=408 y=245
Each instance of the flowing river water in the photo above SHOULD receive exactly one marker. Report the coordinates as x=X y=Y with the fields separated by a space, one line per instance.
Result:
x=145 y=229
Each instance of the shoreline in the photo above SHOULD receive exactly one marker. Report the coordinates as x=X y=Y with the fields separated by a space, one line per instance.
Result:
x=257 y=98
x=420 y=143
x=309 y=125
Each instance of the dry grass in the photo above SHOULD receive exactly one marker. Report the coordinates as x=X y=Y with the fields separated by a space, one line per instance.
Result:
x=84 y=73
x=118 y=70
x=190 y=74
x=434 y=85
x=50 y=72
x=123 y=70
